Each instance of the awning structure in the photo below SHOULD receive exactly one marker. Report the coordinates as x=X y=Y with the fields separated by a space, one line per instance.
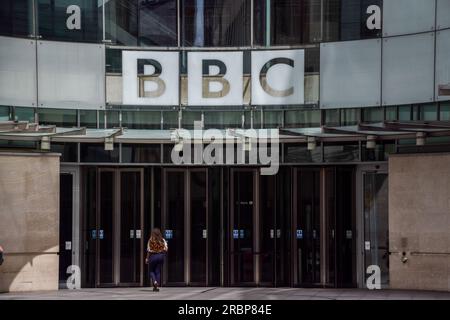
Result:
x=389 y=130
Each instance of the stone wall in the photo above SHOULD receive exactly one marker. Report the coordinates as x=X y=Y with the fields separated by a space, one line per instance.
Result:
x=29 y=221
x=419 y=221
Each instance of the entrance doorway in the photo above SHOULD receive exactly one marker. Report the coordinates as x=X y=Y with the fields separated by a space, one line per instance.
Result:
x=66 y=201
x=118 y=235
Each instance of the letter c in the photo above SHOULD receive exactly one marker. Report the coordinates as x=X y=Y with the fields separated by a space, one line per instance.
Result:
x=263 y=77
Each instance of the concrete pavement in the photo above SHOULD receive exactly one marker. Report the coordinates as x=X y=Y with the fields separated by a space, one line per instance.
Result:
x=226 y=294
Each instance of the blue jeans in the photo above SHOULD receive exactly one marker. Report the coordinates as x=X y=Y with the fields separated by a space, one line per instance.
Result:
x=155 y=264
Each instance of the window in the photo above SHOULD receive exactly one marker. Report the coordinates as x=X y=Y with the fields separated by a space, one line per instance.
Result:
x=88 y=118
x=16 y=17
x=141 y=119
x=93 y=152
x=291 y=22
x=341 y=152
x=211 y=23
x=302 y=118
x=121 y=18
x=347 y=20
x=404 y=113
x=332 y=118
x=111 y=117
x=391 y=113
x=189 y=117
x=350 y=117
x=445 y=111
x=428 y=112
x=158 y=23
x=272 y=119
x=223 y=120
x=24 y=114
x=5 y=113
x=58 y=117
x=170 y=120
x=141 y=153
x=373 y=115
x=76 y=20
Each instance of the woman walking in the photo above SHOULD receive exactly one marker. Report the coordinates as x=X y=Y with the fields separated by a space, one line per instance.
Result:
x=156 y=251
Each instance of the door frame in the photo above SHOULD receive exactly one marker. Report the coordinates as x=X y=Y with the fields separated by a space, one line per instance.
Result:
x=116 y=216
x=361 y=171
x=76 y=217
x=256 y=226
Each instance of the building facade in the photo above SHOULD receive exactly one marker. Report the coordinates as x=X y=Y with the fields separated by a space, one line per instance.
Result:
x=351 y=97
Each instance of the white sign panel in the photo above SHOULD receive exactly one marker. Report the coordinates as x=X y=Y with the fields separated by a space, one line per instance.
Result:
x=278 y=77
x=150 y=78
x=215 y=78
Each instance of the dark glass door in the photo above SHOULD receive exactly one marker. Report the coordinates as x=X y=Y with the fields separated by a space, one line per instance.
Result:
x=307 y=227
x=131 y=240
x=65 y=226
x=173 y=226
x=198 y=227
x=104 y=233
x=269 y=231
x=242 y=227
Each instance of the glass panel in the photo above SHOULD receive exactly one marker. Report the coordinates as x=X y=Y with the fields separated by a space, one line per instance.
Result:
x=242 y=228
x=302 y=118
x=74 y=20
x=252 y=116
x=402 y=84
x=189 y=117
x=112 y=119
x=273 y=119
x=65 y=223
x=199 y=230
x=332 y=118
x=130 y=224
x=442 y=60
x=58 y=117
x=222 y=120
x=90 y=152
x=5 y=113
x=445 y=111
x=408 y=16
x=158 y=23
x=428 y=112
x=347 y=20
x=339 y=152
x=373 y=115
x=299 y=153
x=207 y=23
x=350 y=74
x=105 y=231
x=376 y=235
x=391 y=113
x=170 y=119
x=68 y=151
x=141 y=119
x=24 y=114
x=404 y=113
x=90 y=205
x=88 y=119
x=268 y=232
x=308 y=227
x=16 y=17
x=380 y=153
x=175 y=223
x=350 y=117
x=17 y=72
x=121 y=18
x=141 y=153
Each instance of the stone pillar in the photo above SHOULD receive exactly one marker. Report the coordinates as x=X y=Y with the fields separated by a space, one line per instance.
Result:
x=29 y=221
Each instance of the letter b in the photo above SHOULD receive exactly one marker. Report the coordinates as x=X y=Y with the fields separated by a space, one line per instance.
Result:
x=208 y=78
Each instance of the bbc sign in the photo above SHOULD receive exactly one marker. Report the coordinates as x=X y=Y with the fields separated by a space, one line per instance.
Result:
x=213 y=78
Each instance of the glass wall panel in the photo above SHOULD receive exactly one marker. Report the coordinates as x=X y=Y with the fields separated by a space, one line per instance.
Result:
x=391 y=113
x=332 y=117
x=301 y=118
x=428 y=112
x=404 y=113
x=291 y=22
x=189 y=117
x=402 y=84
x=341 y=152
x=141 y=153
x=272 y=119
x=111 y=118
x=373 y=115
x=68 y=151
x=349 y=20
x=121 y=21
x=299 y=153
x=170 y=120
x=380 y=153
x=16 y=17
x=5 y=113
x=92 y=152
x=24 y=114
x=350 y=117
x=58 y=117
x=141 y=119
x=222 y=120
x=207 y=23
x=158 y=23
x=442 y=60
x=444 y=111
x=88 y=118
x=74 y=20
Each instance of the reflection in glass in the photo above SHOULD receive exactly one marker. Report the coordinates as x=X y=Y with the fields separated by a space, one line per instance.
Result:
x=158 y=23
x=121 y=19
x=302 y=118
x=216 y=23
x=75 y=20
x=16 y=17
x=58 y=117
